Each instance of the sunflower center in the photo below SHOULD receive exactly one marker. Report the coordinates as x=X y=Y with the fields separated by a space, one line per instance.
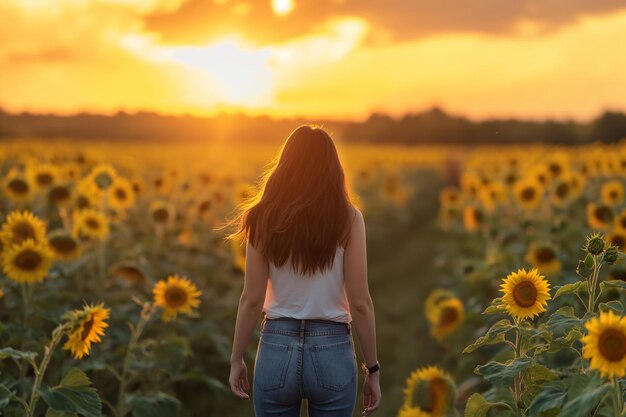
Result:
x=612 y=344
x=87 y=326
x=449 y=315
x=28 y=260
x=82 y=201
x=603 y=214
x=23 y=231
x=44 y=178
x=204 y=206
x=544 y=255
x=622 y=222
x=619 y=241
x=59 y=194
x=562 y=190
x=92 y=223
x=528 y=193
x=175 y=297
x=64 y=244
x=555 y=169
x=160 y=215
x=120 y=193
x=525 y=294
x=18 y=186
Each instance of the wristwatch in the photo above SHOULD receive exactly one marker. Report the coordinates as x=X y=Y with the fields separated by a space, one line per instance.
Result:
x=371 y=369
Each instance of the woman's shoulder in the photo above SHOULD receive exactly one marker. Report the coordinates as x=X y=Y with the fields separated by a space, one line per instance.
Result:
x=355 y=218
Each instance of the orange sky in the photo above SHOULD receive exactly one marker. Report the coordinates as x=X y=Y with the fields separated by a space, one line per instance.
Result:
x=335 y=59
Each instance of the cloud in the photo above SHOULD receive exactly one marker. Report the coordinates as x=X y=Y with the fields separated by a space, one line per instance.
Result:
x=391 y=20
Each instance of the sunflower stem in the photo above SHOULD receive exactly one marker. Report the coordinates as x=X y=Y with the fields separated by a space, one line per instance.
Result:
x=57 y=334
x=146 y=313
x=26 y=296
x=619 y=399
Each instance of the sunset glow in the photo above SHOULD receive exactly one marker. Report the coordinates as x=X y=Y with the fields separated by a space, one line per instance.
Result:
x=283 y=58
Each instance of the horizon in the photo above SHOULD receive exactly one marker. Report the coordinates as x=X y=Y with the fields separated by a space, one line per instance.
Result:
x=335 y=60
x=241 y=113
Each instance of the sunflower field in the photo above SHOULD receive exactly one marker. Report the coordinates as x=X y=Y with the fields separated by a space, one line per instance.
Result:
x=497 y=276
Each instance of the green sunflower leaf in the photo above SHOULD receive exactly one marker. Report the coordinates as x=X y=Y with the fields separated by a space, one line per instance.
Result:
x=576 y=287
x=158 y=405
x=496 y=334
x=73 y=395
x=477 y=406
x=503 y=373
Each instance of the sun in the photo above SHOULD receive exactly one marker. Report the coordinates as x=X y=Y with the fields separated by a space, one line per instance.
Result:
x=282 y=7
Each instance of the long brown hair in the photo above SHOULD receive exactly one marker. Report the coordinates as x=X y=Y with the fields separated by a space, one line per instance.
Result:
x=302 y=208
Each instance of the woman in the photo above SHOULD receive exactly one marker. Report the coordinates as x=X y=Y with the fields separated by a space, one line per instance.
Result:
x=306 y=270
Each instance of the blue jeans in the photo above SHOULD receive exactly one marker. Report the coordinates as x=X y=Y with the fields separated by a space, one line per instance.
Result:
x=312 y=359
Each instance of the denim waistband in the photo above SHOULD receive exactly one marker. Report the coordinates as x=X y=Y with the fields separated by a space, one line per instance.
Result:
x=310 y=327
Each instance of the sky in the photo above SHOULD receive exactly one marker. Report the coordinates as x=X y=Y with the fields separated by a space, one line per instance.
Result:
x=325 y=59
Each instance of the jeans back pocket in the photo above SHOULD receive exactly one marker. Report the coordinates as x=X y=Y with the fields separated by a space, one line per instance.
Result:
x=270 y=367
x=335 y=364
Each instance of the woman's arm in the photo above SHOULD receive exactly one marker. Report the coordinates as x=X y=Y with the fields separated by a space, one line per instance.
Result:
x=362 y=307
x=357 y=290
x=250 y=307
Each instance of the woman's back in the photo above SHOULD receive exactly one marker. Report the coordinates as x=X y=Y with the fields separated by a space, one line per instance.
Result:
x=321 y=295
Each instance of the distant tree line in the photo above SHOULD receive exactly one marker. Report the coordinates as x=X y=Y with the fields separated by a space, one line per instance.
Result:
x=431 y=127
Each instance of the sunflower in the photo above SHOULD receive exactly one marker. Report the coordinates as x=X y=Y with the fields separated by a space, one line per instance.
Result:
x=70 y=171
x=138 y=185
x=450 y=315
x=544 y=257
x=102 y=176
x=618 y=238
x=541 y=174
x=64 y=246
x=17 y=188
x=430 y=390
x=27 y=262
x=450 y=196
x=557 y=164
x=471 y=183
x=176 y=295
x=473 y=218
x=433 y=300
x=121 y=195
x=43 y=175
x=22 y=225
x=577 y=181
x=90 y=223
x=130 y=272
x=599 y=216
x=60 y=195
x=160 y=212
x=162 y=184
x=525 y=293
x=87 y=326
x=528 y=193
x=562 y=192
x=612 y=193
x=605 y=344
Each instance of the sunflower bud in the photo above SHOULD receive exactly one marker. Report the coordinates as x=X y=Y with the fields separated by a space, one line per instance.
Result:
x=610 y=255
x=595 y=244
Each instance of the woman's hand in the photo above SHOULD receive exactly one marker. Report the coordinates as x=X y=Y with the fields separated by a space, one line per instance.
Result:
x=239 y=378
x=371 y=393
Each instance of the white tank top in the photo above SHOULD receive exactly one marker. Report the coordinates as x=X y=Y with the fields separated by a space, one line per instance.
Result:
x=321 y=295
